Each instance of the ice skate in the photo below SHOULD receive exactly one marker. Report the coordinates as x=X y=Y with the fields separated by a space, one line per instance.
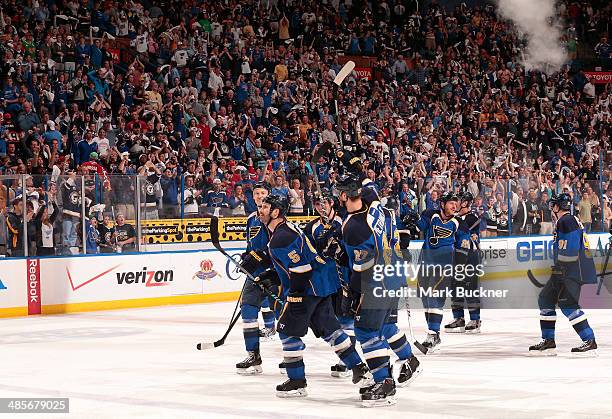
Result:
x=291 y=388
x=545 y=348
x=340 y=371
x=380 y=394
x=586 y=350
x=456 y=326
x=432 y=342
x=410 y=370
x=251 y=365
x=362 y=375
x=267 y=334
x=473 y=327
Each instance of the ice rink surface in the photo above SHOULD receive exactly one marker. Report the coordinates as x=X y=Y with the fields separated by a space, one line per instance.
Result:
x=143 y=363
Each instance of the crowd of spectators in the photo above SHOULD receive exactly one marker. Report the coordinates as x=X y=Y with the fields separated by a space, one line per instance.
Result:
x=200 y=99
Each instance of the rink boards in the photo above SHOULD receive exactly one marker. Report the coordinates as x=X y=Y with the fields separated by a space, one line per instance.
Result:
x=197 y=273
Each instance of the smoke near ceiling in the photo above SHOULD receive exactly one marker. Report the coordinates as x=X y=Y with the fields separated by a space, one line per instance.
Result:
x=537 y=21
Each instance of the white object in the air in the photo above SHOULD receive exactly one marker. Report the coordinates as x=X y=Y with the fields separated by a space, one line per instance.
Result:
x=344 y=71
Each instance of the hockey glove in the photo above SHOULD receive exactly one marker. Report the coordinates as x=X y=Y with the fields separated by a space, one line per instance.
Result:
x=269 y=280
x=410 y=219
x=335 y=251
x=351 y=163
x=323 y=239
x=347 y=302
x=255 y=259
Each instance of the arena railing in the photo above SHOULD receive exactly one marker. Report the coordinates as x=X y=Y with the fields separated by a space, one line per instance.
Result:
x=112 y=199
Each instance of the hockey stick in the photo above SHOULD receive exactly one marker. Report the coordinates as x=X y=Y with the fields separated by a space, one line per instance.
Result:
x=209 y=345
x=338 y=80
x=344 y=72
x=235 y=316
x=115 y=228
x=533 y=279
x=415 y=342
x=322 y=151
x=214 y=238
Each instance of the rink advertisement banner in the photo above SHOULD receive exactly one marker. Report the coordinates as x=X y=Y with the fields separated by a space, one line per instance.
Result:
x=599 y=77
x=33 y=282
x=197 y=230
x=116 y=54
x=125 y=277
x=196 y=272
x=13 y=288
x=363 y=73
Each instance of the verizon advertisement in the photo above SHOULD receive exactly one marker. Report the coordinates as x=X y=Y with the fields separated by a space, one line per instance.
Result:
x=124 y=277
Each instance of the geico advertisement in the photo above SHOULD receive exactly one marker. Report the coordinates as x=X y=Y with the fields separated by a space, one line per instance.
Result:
x=541 y=248
x=124 y=277
x=522 y=253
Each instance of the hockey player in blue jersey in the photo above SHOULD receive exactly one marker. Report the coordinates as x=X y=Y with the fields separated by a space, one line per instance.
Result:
x=368 y=236
x=439 y=228
x=306 y=289
x=405 y=222
x=324 y=233
x=573 y=267
x=255 y=260
x=467 y=256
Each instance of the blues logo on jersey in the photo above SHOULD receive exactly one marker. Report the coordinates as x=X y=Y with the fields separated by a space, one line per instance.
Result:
x=439 y=237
